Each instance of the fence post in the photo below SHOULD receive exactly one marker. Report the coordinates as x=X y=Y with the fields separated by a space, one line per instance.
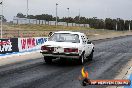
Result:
x=18 y=33
x=6 y=33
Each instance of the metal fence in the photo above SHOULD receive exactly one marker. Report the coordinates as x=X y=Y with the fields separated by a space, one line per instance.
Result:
x=17 y=20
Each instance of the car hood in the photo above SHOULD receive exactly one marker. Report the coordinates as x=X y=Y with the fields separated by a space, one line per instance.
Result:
x=62 y=44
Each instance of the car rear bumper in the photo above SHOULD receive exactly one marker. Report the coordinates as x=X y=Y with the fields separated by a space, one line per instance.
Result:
x=61 y=55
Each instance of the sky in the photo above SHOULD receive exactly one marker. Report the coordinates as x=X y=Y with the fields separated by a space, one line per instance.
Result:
x=88 y=8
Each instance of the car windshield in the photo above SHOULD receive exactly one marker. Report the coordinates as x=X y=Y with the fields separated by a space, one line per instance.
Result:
x=65 y=37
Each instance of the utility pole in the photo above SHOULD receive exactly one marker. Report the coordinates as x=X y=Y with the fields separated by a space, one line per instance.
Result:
x=56 y=15
x=1 y=3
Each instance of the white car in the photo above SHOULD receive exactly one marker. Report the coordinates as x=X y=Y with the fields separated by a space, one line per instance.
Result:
x=67 y=44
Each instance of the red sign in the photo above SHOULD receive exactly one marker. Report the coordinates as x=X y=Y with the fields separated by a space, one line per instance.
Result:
x=28 y=43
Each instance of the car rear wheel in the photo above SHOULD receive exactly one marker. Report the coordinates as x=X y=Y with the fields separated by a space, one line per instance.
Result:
x=81 y=59
x=48 y=60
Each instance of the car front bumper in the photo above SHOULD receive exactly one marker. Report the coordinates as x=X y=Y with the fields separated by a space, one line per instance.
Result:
x=61 y=55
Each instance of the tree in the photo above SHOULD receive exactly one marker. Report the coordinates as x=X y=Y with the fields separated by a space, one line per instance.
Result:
x=20 y=15
x=126 y=25
x=4 y=19
x=77 y=19
x=94 y=22
x=110 y=24
x=31 y=17
x=44 y=17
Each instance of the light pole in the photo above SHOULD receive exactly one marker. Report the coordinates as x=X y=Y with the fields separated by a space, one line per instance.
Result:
x=68 y=11
x=68 y=16
x=79 y=18
x=79 y=15
x=56 y=15
x=1 y=3
x=27 y=9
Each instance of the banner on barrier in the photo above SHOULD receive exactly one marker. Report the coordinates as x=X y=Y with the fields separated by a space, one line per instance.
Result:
x=21 y=44
x=14 y=44
x=8 y=45
x=26 y=44
x=5 y=46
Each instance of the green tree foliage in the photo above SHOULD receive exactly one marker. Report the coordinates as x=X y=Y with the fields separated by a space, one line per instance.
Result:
x=44 y=17
x=20 y=15
x=31 y=17
x=108 y=23
x=4 y=19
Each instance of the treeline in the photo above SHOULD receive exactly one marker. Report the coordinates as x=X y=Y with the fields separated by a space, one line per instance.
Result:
x=108 y=23
x=3 y=18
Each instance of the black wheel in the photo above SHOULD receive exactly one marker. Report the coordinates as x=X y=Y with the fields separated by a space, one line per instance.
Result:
x=90 y=57
x=48 y=60
x=81 y=59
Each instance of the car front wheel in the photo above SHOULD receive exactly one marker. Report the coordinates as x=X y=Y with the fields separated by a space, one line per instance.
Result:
x=90 y=57
x=81 y=59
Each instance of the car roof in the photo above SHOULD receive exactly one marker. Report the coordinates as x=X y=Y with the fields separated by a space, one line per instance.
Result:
x=71 y=32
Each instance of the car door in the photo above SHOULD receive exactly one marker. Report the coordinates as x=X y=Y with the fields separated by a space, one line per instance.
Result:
x=89 y=46
x=86 y=47
x=84 y=44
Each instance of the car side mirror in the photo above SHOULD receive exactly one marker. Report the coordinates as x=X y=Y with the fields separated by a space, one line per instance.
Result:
x=50 y=34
